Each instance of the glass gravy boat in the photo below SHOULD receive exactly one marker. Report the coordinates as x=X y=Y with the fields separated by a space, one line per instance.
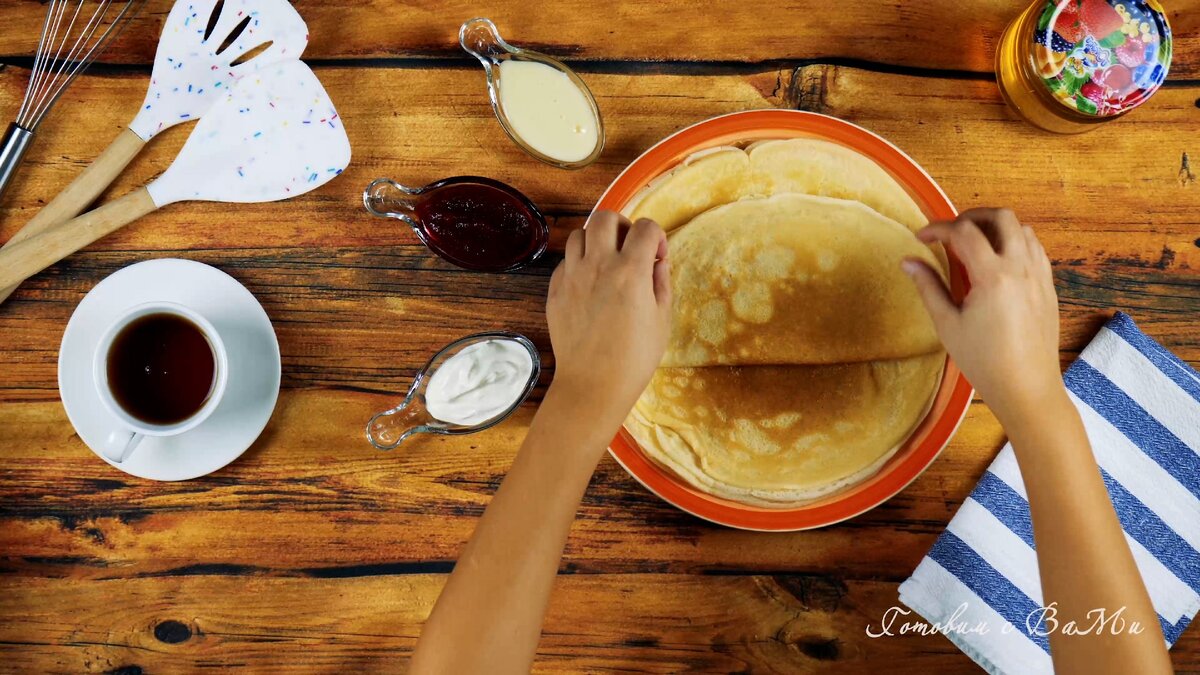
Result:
x=480 y=38
x=473 y=222
x=390 y=428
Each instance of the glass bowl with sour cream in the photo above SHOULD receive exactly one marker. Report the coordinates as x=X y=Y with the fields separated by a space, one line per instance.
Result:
x=471 y=384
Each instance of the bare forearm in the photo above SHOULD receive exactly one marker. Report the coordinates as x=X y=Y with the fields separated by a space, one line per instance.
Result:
x=489 y=616
x=609 y=313
x=1083 y=558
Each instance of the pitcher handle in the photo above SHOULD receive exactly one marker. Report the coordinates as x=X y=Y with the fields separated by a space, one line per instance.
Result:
x=482 y=40
x=386 y=198
x=390 y=428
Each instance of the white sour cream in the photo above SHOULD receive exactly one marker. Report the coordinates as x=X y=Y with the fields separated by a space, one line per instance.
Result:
x=479 y=383
x=547 y=110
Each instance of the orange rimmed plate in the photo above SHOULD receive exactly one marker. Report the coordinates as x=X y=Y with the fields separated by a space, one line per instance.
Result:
x=954 y=393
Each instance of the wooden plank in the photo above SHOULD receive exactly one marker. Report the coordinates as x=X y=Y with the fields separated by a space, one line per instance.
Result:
x=415 y=125
x=313 y=498
x=345 y=286
x=437 y=122
x=941 y=34
x=640 y=623
x=99 y=564
x=644 y=623
x=351 y=318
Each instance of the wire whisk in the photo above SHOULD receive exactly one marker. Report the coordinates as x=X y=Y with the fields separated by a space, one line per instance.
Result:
x=73 y=35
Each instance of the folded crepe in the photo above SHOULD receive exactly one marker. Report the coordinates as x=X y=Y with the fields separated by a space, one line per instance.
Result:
x=795 y=279
x=802 y=165
x=800 y=357
x=777 y=435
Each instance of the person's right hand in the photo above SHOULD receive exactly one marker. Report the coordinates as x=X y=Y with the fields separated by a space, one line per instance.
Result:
x=609 y=313
x=1004 y=335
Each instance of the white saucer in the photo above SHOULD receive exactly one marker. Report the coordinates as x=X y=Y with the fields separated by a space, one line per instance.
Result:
x=254 y=368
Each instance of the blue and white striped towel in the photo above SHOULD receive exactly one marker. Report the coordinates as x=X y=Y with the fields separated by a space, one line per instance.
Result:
x=1141 y=407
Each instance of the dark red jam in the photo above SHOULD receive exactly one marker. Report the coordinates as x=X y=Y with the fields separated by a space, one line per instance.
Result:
x=481 y=224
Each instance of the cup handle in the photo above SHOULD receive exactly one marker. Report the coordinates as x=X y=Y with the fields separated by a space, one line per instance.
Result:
x=120 y=444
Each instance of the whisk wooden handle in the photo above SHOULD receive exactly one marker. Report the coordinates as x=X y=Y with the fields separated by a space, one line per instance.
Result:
x=26 y=258
x=82 y=191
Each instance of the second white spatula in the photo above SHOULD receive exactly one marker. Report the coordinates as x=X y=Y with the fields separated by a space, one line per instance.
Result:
x=205 y=46
x=275 y=135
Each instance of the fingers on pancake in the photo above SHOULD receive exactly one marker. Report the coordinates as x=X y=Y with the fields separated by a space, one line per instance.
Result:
x=646 y=244
x=965 y=239
x=574 y=250
x=662 y=285
x=556 y=279
x=1032 y=250
x=644 y=241
x=1039 y=262
x=600 y=233
x=1031 y=241
x=1000 y=226
x=933 y=291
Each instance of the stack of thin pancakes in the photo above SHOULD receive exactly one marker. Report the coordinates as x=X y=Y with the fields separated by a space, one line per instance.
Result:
x=800 y=356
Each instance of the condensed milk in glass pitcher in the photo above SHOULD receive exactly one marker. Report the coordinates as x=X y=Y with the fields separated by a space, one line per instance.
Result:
x=543 y=106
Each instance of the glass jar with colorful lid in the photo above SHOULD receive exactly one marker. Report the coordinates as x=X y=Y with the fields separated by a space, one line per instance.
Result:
x=1068 y=65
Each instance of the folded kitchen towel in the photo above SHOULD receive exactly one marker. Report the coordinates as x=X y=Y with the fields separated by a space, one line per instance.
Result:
x=1141 y=407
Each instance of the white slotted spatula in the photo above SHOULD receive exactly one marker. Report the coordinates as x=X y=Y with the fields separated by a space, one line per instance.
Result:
x=274 y=135
x=193 y=68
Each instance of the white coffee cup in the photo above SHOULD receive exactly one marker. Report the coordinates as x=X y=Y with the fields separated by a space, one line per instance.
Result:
x=129 y=431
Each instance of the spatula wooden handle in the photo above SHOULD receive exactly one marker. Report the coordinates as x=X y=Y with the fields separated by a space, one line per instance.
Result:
x=82 y=191
x=25 y=258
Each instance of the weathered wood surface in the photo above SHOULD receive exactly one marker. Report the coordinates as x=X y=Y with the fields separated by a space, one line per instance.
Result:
x=315 y=553
x=347 y=291
x=938 y=34
x=314 y=483
x=307 y=555
x=635 y=623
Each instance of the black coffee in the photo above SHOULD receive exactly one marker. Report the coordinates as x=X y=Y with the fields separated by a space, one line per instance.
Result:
x=161 y=368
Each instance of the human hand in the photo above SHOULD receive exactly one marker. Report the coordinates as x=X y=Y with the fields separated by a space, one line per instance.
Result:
x=609 y=312
x=1004 y=335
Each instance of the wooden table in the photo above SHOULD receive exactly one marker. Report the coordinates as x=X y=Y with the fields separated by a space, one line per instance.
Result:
x=315 y=553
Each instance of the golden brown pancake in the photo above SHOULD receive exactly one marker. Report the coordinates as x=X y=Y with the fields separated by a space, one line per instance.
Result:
x=815 y=167
x=795 y=279
x=775 y=435
x=800 y=356
x=706 y=179
x=810 y=166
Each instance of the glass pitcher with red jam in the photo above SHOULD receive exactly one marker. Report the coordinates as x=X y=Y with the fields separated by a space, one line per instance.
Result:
x=475 y=223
